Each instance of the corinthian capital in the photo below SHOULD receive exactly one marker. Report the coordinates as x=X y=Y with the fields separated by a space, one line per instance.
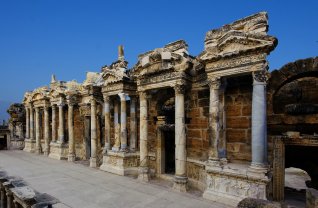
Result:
x=261 y=76
x=215 y=83
x=179 y=89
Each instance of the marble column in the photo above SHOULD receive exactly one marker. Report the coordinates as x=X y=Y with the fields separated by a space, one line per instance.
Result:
x=259 y=125
x=37 y=131
x=214 y=122
x=116 y=146
x=180 y=181
x=143 y=169
x=61 y=124
x=123 y=122
x=107 y=123
x=27 y=123
x=133 y=124
x=53 y=123
x=31 y=123
x=46 y=131
x=93 y=159
x=71 y=142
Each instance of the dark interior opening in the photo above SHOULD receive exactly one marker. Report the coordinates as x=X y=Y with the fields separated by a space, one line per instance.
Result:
x=3 y=143
x=87 y=129
x=170 y=165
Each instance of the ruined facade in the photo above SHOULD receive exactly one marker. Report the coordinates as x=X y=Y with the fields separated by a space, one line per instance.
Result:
x=198 y=121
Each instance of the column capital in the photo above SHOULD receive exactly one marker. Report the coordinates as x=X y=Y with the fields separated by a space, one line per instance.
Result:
x=142 y=94
x=37 y=109
x=106 y=98
x=93 y=102
x=179 y=89
x=122 y=96
x=215 y=83
x=261 y=76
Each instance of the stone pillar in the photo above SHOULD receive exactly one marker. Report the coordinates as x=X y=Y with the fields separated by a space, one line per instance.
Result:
x=259 y=125
x=53 y=123
x=214 y=122
x=93 y=159
x=37 y=131
x=46 y=131
x=116 y=146
x=61 y=123
x=123 y=122
x=27 y=123
x=133 y=124
x=181 y=180
x=9 y=200
x=31 y=123
x=143 y=169
x=107 y=123
x=2 y=197
x=71 y=142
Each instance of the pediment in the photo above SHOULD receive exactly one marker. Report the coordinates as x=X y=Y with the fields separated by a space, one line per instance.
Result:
x=114 y=75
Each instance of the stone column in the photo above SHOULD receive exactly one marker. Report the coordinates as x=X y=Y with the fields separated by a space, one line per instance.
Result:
x=37 y=131
x=133 y=124
x=27 y=123
x=116 y=146
x=61 y=123
x=143 y=169
x=53 y=123
x=2 y=197
x=180 y=181
x=214 y=122
x=259 y=125
x=107 y=123
x=9 y=200
x=123 y=122
x=93 y=159
x=31 y=123
x=71 y=142
x=46 y=131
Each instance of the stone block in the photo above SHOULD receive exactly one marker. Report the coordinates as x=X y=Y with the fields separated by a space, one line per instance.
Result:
x=233 y=110
x=204 y=102
x=238 y=122
x=247 y=110
x=236 y=135
x=165 y=55
x=259 y=203
x=194 y=133
x=145 y=61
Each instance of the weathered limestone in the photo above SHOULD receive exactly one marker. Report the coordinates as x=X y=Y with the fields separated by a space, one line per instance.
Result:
x=27 y=111
x=29 y=142
x=71 y=142
x=116 y=146
x=46 y=131
x=144 y=167
x=61 y=123
x=133 y=124
x=214 y=121
x=123 y=122
x=107 y=123
x=37 y=131
x=53 y=123
x=93 y=159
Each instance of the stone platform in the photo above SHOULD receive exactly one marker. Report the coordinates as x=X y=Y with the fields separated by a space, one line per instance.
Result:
x=89 y=187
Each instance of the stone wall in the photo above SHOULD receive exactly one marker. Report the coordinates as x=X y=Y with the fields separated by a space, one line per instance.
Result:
x=238 y=106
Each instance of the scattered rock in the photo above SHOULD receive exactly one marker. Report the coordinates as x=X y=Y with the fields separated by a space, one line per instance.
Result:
x=257 y=203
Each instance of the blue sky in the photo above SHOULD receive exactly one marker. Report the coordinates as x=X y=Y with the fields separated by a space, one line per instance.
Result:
x=69 y=37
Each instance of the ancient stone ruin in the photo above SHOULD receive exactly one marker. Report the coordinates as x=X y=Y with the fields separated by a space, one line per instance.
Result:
x=219 y=121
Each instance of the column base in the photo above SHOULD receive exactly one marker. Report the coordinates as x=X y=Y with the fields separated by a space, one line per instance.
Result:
x=232 y=183
x=93 y=162
x=71 y=157
x=29 y=145
x=143 y=174
x=180 y=183
x=257 y=170
x=121 y=163
x=46 y=153
x=58 y=151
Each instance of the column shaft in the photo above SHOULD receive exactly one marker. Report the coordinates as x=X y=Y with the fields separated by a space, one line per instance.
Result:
x=61 y=124
x=259 y=131
x=31 y=124
x=93 y=161
x=46 y=131
x=143 y=129
x=37 y=131
x=27 y=122
x=107 y=124
x=53 y=123
x=214 y=120
x=116 y=146
x=71 y=143
x=133 y=124
x=123 y=122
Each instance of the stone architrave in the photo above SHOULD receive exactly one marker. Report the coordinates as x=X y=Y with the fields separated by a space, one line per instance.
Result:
x=181 y=180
